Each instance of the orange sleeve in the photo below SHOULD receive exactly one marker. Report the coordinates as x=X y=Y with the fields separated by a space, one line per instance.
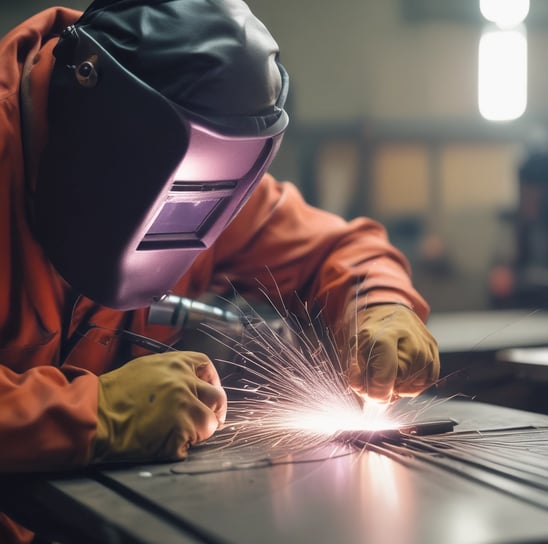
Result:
x=313 y=256
x=48 y=418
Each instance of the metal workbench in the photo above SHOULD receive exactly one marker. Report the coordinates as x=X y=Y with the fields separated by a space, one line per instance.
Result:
x=478 y=357
x=326 y=495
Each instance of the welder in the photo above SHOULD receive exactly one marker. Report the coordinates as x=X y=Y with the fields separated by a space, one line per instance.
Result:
x=134 y=144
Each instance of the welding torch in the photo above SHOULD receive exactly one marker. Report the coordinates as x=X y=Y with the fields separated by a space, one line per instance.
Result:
x=182 y=312
x=179 y=312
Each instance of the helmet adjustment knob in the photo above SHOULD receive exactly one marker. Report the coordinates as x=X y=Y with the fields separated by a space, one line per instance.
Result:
x=86 y=74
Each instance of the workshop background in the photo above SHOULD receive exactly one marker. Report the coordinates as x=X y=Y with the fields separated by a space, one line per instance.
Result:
x=385 y=123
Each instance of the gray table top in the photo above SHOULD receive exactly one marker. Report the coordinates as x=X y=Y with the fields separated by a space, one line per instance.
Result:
x=334 y=493
x=465 y=332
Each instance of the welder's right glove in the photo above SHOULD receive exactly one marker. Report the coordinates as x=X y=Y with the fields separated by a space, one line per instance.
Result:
x=155 y=407
x=391 y=354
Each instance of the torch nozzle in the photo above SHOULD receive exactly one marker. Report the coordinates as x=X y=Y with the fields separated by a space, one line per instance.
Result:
x=184 y=312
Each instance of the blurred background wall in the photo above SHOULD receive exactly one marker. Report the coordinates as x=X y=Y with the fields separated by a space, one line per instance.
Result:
x=385 y=122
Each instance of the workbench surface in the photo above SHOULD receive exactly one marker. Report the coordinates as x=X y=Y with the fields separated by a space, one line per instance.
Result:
x=331 y=494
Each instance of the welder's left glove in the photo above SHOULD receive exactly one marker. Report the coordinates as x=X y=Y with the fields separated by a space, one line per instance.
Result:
x=391 y=353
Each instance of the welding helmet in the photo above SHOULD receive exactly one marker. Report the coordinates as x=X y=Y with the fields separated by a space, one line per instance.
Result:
x=163 y=116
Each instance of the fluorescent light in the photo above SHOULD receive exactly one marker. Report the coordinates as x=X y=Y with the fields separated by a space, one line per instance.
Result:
x=502 y=74
x=505 y=13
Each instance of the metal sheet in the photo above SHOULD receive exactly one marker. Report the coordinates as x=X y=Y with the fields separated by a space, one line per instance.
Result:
x=339 y=494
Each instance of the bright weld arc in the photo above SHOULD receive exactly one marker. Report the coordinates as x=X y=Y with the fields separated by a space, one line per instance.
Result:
x=295 y=395
x=332 y=420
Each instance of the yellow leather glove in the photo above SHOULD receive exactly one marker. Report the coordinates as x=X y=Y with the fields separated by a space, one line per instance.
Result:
x=391 y=354
x=155 y=407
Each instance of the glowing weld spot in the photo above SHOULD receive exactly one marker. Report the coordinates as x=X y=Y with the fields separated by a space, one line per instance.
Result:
x=334 y=419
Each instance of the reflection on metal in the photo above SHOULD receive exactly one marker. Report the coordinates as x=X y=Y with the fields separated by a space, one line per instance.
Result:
x=513 y=460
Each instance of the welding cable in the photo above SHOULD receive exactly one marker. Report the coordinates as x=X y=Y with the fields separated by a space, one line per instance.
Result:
x=154 y=346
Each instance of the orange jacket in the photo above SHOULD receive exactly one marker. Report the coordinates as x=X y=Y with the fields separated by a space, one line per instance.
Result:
x=48 y=371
